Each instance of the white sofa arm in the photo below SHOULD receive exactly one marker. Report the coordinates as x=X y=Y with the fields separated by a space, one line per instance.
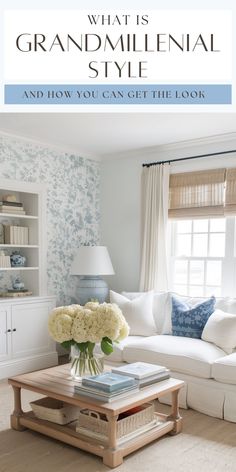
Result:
x=224 y=369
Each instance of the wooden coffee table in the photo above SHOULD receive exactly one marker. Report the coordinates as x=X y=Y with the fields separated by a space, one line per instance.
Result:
x=57 y=383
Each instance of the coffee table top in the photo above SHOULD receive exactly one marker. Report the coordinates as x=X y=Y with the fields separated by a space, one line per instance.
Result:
x=56 y=382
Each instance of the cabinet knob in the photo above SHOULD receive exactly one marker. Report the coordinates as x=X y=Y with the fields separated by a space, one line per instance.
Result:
x=14 y=329
x=9 y=331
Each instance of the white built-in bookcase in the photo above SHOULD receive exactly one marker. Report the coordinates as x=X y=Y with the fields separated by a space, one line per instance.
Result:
x=33 y=197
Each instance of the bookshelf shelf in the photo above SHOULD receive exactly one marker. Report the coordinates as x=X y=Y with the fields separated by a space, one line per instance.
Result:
x=15 y=215
x=30 y=246
x=18 y=268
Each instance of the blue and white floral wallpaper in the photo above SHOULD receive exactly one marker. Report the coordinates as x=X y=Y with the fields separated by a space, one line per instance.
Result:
x=73 y=213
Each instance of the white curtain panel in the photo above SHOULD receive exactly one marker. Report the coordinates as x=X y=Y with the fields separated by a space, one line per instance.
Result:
x=155 y=196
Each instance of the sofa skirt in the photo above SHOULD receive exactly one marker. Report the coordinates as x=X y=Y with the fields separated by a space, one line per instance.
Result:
x=206 y=396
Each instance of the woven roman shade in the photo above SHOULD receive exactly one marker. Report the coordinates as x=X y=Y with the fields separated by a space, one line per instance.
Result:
x=199 y=194
x=230 y=194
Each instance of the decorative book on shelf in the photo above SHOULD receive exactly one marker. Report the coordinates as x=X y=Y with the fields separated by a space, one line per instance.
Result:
x=12 y=211
x=16 y=235
x=5 y=261
x=16 y=293
x=11 y=207
x=108 y=382
x=11 y=204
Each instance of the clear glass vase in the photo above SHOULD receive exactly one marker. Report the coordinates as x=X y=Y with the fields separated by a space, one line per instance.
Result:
x=84 y=364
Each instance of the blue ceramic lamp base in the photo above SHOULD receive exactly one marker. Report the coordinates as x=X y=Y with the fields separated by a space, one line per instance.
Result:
x=92 y=288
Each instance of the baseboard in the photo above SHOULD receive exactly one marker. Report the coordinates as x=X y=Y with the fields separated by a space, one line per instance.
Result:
x=20 y=366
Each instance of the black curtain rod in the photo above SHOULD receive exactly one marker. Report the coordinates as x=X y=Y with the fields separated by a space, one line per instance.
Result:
x=149 y=164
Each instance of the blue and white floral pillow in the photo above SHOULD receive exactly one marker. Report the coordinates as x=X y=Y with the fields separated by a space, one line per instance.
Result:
x=190 y=321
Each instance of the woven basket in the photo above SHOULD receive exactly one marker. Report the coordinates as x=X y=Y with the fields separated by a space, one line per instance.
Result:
x=54 y=410
x=97 y=423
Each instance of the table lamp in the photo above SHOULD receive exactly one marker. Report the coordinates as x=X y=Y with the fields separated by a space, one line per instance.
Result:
x=90 y=262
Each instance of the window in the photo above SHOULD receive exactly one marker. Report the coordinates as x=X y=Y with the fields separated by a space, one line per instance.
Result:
x=203 y=257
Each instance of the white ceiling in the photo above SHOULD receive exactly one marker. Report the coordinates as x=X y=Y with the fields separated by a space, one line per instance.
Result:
x=104 y=134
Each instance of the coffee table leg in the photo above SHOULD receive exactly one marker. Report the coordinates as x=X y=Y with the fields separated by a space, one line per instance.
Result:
x=175 y=416
x=17 y=413
x=112 y=456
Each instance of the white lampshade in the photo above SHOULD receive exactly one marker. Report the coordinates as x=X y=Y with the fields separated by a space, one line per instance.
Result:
x=92 y=260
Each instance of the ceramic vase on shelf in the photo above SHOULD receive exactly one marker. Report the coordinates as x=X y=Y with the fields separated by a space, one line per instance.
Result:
x=17 y=260
x=17 y=284
x=84 y=363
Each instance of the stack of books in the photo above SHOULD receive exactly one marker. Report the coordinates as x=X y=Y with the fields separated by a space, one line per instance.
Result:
x=107 y=387
x=4 y=260
x=15 y=208
x=16 y=235
x=16 y=293
x=145 y=374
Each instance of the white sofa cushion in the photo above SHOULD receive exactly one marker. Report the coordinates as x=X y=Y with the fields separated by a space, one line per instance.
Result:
x=117 y=354
x=161 y=307
x=226 y=304
x=224 y=369
x=220 y=329
x=181 y=354
x=138 y=312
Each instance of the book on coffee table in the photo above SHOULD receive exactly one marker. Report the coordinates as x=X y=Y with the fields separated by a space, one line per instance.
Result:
x=105 y=397
x=139 y=370
x=108 y=382
x=154 y=378
x=81 y=388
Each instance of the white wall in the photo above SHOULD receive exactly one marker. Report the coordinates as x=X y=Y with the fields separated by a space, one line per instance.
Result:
x=120 y=219
x=120 y=199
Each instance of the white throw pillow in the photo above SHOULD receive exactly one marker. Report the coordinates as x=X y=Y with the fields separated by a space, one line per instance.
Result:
x=226 y=304
x=137 y=312
x=167 y=325
x=161 y=307
x=220 y=329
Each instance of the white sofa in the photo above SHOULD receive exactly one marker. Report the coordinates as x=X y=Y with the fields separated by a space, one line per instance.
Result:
x=209 y=372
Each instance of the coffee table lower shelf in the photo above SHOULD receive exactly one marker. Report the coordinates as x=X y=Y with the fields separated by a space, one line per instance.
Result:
x=68 y=435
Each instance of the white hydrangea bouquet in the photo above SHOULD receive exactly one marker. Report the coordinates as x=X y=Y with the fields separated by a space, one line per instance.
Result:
x=82 y=327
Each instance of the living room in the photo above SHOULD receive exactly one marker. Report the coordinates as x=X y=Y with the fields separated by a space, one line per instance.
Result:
x=86 y=173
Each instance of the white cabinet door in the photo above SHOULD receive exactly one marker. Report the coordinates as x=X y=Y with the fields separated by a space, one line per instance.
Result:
x=30 y=329
x=5 y=332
